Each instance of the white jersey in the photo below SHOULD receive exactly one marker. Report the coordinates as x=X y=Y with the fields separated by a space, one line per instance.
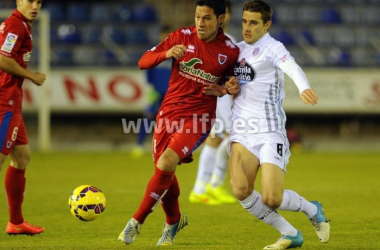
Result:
x=260 y=71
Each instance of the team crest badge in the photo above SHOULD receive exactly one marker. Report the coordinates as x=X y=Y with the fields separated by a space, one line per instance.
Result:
x=9 y=144
x=256 y=51
x=222 y=58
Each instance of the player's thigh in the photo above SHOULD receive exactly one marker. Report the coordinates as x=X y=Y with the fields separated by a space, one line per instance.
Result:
x=243 y=166
x=272 y=184
x=168 y=160
x=213 y=141
x=20 y=156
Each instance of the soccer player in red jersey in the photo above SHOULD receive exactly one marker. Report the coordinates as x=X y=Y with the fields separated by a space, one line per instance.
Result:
x=202 y=57
x=15 y=52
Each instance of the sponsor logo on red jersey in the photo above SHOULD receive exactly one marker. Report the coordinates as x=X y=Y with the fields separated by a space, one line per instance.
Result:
x=188 y=67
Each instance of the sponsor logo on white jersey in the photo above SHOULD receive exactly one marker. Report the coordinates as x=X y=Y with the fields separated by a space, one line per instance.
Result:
x=186 y=31
x=244 y=72
x=190 y=48
x=9 y=42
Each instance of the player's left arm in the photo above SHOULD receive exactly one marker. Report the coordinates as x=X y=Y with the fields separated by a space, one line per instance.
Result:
x=295 y=72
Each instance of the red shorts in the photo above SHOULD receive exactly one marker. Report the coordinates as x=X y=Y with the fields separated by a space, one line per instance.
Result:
x=183 y=139
x=12 y=131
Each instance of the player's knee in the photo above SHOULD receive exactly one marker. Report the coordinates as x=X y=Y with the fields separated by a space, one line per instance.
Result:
x=21 y=161
x=272 y=201
x=241 y=192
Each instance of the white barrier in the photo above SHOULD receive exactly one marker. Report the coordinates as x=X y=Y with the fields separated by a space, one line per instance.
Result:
x=339 y=90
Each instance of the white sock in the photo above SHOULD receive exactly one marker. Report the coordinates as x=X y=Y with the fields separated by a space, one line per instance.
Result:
x=255 y=206
x=292 y=201
x=205 y=168
x=221 y=164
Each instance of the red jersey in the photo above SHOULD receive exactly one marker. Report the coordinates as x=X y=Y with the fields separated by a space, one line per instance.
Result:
x=202 y=64
x=15 y=43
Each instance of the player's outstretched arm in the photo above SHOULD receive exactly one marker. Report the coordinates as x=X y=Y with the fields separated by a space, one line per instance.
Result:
x=308 y=96
x=10 y=66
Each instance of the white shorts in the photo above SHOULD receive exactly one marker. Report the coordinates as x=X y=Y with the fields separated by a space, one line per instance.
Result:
x=223 y=117
x=270 y=147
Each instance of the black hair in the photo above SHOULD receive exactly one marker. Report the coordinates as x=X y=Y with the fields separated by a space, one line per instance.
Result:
x=229 y=6
x=219 y=6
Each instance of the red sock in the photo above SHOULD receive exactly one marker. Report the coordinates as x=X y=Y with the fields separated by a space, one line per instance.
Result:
x=158 y=184
x=170 y=203
x=15 y=187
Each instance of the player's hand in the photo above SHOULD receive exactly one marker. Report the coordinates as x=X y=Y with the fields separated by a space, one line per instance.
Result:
x=233 y=86
x=308 y=96
x=177 y=51
x=38 y=78
x=214 y=89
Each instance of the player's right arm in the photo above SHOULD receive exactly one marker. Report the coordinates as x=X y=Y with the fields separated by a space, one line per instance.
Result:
x=10 y=66
x=171 y=47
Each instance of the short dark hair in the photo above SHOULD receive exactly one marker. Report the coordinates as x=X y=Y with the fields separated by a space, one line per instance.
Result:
x=219 y=6
x=229 y=6
x=259 y=6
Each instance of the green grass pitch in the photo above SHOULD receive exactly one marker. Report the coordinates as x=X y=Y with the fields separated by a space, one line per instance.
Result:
x=346 y=184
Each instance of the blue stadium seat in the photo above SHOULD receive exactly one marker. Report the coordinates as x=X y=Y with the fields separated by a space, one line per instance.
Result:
x=68 y=33
x=107 y=57
x=100 y=12
x=91 y=34
x=308 y=36
x=283 y=36
x=339 y=57
x=137 y=35
x=330 y=15
x=56 y=12
x=145 y=13
x=122 y=12
x=77 y=12
x=117 y=35
x=61 y=56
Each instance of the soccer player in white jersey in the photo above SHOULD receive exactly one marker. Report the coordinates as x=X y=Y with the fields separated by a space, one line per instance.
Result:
x=258 y=136
x=213 y=160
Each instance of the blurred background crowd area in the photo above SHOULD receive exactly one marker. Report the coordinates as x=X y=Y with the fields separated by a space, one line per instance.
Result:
x=318 y=33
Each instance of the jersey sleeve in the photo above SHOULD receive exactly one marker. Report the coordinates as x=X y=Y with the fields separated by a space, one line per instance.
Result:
x=11 y=39
x=157 y=54
x=280 y=58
